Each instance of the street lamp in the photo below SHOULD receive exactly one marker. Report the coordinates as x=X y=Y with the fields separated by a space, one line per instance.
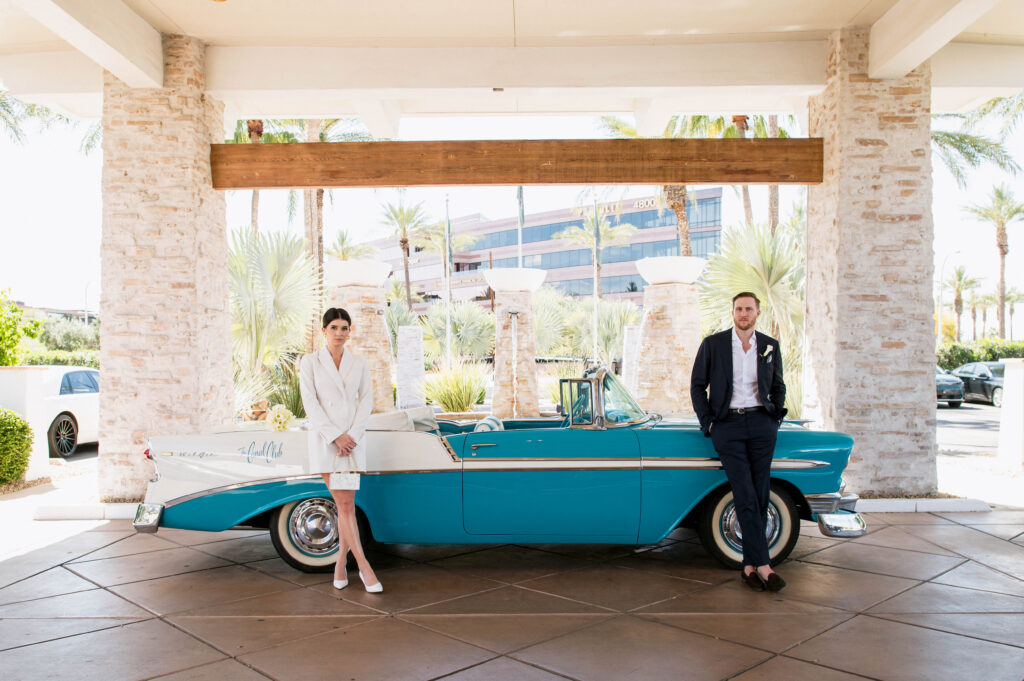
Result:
x=942 y=269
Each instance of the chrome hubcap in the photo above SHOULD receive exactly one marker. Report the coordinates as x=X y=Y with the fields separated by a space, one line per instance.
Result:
x=730 y=526
x=313 y=527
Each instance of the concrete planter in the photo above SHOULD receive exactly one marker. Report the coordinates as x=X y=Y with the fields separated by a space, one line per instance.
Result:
x=671 y=269
x=356 y=272
x=515 y=278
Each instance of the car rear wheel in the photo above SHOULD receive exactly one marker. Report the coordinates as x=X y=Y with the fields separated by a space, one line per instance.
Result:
x=997 y=397
x=720 y=532
x=954 y=403
x=305 y=534
x=63 y=436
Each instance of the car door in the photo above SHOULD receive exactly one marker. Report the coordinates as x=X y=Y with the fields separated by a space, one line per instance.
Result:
x=85 y=404
x=553 y=484
x=966 y=374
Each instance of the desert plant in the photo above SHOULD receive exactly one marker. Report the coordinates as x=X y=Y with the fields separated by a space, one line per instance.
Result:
x=15 y=446
x=550 y=309
x=613 y=317
x=61 y=333
x=285 y=379
x=555 y=372
x=395 y=315
x=274 y=294
x=472 y=330
x=457 y=387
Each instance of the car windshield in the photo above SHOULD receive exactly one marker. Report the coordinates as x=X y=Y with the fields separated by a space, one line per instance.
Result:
x=996 y=369
x=619 y=405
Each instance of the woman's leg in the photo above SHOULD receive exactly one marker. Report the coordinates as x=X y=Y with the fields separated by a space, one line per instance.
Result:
x=340 y=571
x=348 y=531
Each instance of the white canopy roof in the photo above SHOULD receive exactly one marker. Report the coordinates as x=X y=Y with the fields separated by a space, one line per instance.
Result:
x=384 y=59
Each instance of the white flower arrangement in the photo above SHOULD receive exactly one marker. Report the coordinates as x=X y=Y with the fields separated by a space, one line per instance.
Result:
x=279 y=418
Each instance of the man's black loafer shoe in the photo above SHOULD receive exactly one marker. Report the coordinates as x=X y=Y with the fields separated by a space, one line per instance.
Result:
x=753 y=580
x=774 y=582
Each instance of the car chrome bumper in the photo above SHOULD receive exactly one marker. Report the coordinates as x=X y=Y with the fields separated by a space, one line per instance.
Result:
x=841 y=524
x=147 y=517
x=832 y=502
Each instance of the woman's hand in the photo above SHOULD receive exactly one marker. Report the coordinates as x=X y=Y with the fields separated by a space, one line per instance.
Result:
x=345 y=444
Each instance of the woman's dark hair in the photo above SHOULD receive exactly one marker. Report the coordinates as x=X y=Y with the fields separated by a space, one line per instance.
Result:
x=336 y=313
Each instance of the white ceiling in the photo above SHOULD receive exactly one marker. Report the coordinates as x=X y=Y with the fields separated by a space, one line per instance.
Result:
x=656 y=56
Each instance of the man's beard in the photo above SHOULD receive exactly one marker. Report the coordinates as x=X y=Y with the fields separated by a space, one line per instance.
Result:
x=745 y=327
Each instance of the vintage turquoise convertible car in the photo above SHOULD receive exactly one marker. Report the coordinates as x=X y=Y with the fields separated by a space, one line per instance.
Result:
x=606 y=472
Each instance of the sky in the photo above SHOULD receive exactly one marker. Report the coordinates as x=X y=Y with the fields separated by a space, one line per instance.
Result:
x=50 y=195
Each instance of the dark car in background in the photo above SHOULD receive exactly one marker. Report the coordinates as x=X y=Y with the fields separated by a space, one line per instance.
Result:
x=982 y=381
x=948 y=388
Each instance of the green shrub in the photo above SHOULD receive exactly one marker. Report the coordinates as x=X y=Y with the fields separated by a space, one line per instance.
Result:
x=80 y=358
x=61 y=333
x=456 y=388
x=15 y=446
x=952 y=355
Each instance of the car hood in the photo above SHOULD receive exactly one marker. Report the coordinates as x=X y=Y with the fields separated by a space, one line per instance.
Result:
x=947 y=380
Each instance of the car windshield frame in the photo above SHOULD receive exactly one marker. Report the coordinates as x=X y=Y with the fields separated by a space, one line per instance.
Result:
x=613 y=388
x=996 y=369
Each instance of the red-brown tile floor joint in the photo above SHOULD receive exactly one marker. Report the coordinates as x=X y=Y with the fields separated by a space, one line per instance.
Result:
x=922 y=596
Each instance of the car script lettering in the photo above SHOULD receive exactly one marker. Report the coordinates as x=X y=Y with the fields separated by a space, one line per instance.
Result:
x=267 y=451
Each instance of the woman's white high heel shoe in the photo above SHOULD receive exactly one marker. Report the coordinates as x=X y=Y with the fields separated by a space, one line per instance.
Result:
x=342 y=583
x=371 y=588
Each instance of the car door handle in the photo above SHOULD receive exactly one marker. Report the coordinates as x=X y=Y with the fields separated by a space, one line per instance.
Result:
x=483 y=444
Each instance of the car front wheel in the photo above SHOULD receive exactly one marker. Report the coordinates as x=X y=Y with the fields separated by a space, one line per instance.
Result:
x=305 y=534
x=997 y=397
x=63 y=436
x=720 y=533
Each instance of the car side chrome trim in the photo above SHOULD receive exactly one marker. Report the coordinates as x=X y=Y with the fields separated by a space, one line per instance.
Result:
x=689 y=463
x=451 y=450
x=237 y=485
x=796 y=464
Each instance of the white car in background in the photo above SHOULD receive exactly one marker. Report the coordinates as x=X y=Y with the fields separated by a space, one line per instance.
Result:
x=60 y=401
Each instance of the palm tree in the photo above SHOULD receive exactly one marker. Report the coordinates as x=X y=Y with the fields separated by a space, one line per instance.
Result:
x=959 y=283
x=973 y=301
x=273 y=292
x=405 y=223
x=597 y=232
x=1013 y=296
x=959 y=151
x=676 y=195
x=985 y=302
x=395 y=291
x=14 y=114
x=431 y=237
x=253 y=132
x=1002 y=210
x=345 y=248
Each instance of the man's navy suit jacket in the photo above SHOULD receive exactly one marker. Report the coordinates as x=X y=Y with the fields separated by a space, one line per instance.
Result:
x=713 y=369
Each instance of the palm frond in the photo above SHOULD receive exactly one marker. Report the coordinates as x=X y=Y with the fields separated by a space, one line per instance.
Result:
x=959 y=151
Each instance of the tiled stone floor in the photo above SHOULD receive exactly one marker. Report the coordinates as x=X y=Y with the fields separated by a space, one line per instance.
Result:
x=922 y=596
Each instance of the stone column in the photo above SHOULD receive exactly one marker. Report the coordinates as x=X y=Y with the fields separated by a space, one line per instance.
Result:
x=369 y=337
x=630 y=356
x=669 y=338
x=515 y=369
x=165 y=341
x=869 y=325
x=411 y=373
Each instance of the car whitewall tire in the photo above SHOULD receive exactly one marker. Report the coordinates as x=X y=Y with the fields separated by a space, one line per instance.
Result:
x=305 y=534
x=720 y=533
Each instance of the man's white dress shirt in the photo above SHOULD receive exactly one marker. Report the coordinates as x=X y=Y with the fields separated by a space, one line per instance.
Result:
x=744 y=373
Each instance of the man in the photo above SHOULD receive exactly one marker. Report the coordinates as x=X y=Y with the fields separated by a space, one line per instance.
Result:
x=741 y=414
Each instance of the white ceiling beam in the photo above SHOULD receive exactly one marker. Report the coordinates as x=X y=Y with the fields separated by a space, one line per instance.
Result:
x=107 y=32
x=652 y=117
x=310 y=69
x=380 y=116
x=67 y=81
x=913 y=30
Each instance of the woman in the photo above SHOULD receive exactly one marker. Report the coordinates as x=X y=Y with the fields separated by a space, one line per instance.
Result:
x=337 y=394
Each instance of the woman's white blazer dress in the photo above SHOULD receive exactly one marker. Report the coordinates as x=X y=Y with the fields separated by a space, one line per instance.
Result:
x=337 y=401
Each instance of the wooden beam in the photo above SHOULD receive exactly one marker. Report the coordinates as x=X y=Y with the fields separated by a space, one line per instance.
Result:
x=515 y=162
